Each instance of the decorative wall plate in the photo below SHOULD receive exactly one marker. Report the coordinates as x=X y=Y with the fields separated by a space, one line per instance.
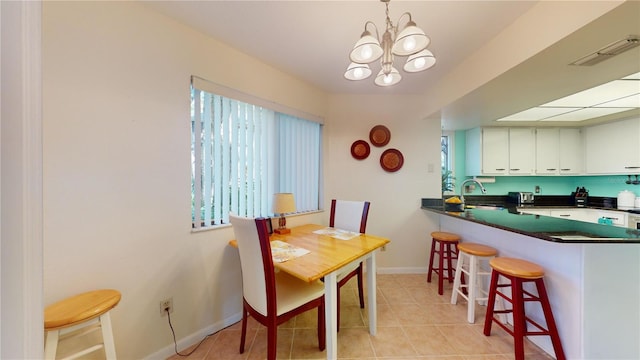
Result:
x=391 y=160
x=379 y=135
x=360 y=149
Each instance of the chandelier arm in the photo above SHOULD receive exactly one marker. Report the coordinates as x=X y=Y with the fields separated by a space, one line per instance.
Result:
x=400 y=18
x=374 y=26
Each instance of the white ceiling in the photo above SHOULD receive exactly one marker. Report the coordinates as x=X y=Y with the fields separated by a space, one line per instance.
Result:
x=312 y=40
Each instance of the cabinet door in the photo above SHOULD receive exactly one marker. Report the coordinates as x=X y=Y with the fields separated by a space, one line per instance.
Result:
x=547 y=151
x=522 y=149
x=571 y=152
x=613 y=148
x=495 y=151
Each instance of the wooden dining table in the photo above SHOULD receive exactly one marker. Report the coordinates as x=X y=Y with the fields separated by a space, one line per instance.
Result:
x=327 y=255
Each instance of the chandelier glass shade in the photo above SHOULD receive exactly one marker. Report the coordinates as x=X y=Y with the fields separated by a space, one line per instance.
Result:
x=411 y=42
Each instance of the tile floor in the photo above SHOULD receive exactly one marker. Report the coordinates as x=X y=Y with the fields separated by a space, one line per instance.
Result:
x=414 y=322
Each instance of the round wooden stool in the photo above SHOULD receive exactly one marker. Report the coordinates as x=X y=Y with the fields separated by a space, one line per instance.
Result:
x=470 y=257
x=446 y=246
x=89 y=310
x=520 y=271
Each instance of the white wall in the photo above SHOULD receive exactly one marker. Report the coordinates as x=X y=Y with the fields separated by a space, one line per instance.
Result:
x=117 y=172
x=395 y=197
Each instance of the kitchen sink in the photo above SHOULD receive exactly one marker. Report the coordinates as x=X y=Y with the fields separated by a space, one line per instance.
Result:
x=484 y=207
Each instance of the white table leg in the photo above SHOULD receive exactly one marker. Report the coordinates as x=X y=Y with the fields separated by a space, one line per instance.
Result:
x=371 y=293
x=331 y=314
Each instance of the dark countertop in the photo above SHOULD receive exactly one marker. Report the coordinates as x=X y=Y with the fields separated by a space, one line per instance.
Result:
x=507 y=217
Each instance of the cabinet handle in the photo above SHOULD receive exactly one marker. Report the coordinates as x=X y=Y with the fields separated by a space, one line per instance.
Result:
x=514 y=169
x=551 y=169
x=565 y=169
x=632 y=167
x=565 y=215
x=500 y=169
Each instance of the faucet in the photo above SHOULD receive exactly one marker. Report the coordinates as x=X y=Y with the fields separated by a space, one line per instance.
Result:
x=484 y=191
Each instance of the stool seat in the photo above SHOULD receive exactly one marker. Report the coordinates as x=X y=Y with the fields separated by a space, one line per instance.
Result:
x=445 y=236
x=477 y=249
x=77 y=316
x=80 y=308
x=517 y=267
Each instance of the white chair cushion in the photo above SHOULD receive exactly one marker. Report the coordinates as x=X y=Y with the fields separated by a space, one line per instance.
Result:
x=292 y=292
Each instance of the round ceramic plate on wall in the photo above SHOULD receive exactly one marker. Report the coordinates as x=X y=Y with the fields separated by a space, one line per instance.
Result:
x=379 y=135
x=360 y=149
x=391 y=160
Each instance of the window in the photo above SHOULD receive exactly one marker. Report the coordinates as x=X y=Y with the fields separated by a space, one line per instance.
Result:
x=242 y=153
x=447 y=159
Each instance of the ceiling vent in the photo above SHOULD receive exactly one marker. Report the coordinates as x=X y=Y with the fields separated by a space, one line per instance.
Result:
x=608 y=51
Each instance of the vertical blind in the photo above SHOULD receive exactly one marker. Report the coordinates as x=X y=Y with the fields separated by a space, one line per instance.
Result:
x=242 y=154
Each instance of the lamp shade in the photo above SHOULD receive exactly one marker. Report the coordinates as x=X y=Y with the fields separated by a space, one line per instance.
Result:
x=387 y=80
x=410 y=40
x=357 y=71
x=420 y=61
x=366 y=50
x=283 y=203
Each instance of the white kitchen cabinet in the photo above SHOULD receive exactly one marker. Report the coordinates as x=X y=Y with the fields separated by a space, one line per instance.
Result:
x=559 y=151
x=521 y=151
x=571 y=152
x=547 y=151
x=487 y=151
x=577 y=214
x=613 y=148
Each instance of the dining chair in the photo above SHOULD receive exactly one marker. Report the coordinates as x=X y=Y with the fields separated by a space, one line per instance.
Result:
x=271 y=297
x=351 y=216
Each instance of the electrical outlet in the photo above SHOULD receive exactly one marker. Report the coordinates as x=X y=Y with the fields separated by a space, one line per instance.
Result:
x=166 y=304
x=383 y=248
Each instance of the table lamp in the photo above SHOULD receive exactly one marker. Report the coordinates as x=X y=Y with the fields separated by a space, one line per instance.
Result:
x=283 y=203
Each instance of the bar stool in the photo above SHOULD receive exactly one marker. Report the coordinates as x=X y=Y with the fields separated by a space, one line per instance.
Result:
x=446 y=246
x=470 y=257
x=520 y=271
x=79 y=315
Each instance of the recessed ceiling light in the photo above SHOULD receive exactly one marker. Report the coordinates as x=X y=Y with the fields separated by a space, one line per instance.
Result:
x=609 y=98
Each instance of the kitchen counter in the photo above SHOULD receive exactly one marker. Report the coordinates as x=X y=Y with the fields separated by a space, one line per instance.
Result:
x=506 y=216
x=592 y=278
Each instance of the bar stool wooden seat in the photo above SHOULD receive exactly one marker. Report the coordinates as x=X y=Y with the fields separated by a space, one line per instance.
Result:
x=79 y=315
x=470 y=257
x=520 y=271
x=446 y=246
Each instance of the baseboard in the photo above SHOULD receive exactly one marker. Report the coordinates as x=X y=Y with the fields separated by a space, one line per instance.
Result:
x=194 y=338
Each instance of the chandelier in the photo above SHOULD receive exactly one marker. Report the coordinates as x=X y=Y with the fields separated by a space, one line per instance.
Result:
x=411 y=42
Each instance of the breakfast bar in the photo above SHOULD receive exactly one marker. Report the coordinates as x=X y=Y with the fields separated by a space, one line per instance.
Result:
x=592 y=273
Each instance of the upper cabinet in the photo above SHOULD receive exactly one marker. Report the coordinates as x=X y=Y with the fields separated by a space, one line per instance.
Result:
x=559 y=151
x=487 y=151
x=503 y=151
x=522 y=145
x=613 y=148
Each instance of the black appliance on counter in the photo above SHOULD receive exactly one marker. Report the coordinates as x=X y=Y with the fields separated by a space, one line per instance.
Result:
x=580 y=196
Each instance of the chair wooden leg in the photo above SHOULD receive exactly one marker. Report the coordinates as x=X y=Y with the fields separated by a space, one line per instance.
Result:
x=440 y=268
x=322 y=332
x=243 y=335
x=519 y=318
x=551 y=322
x=272 y=340
x=360 y=286
x=488 y=319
